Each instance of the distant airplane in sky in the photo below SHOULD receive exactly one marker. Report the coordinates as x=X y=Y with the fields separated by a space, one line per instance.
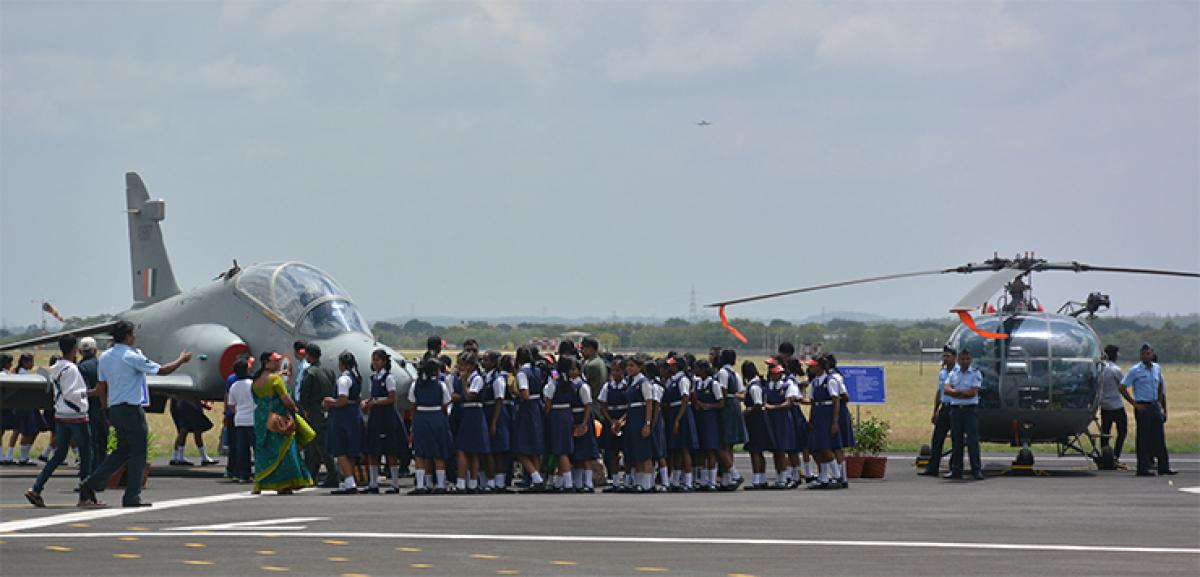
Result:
x=704 y=123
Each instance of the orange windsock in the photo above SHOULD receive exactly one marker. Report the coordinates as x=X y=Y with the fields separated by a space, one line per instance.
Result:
x=50 y=309
x=965 y=317
x=729 y=327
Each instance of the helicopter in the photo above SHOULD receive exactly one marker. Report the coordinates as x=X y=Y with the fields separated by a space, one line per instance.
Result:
x=265 y=307
x=1040 y=370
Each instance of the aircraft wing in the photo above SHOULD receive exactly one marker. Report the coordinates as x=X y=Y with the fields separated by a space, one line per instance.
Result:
x=53 y=338
x=171 y=385
x=35 y=382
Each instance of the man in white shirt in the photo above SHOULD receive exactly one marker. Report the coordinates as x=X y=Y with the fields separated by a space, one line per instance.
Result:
x=70 y=417
x=241 y=398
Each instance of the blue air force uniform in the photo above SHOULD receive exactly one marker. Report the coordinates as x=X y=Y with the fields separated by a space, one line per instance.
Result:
x=1143 y=383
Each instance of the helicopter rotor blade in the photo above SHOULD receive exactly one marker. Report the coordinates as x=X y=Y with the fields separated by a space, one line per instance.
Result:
x=983 y=291
x=829 y=286
x=1075 y=266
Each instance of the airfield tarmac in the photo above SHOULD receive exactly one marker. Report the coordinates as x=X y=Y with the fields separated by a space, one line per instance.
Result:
x=1070 y=522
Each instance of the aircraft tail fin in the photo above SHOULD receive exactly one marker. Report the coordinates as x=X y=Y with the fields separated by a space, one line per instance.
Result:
x=153 y=279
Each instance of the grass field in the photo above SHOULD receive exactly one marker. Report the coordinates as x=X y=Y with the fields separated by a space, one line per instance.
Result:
x=908 y=409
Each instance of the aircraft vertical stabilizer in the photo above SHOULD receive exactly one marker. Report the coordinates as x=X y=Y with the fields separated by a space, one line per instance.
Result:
x=153 y=279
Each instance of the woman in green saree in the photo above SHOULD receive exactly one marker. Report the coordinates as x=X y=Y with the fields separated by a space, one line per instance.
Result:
x=277 y=463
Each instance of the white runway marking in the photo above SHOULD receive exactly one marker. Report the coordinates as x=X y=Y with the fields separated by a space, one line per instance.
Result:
x=1193 y=490
x=264 y=525
x=117 y=511
x=635 y=540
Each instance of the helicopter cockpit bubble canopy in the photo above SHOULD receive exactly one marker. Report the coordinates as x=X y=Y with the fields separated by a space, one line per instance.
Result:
x=303 y=297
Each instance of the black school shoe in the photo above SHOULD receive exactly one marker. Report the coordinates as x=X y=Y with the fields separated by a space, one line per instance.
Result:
x=393 y=491
x=352 y=491
x=369 y=490
x=820 y=486
x=1168 y=472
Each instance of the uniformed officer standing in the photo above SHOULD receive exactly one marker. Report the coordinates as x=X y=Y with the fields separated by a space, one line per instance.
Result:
x=941 y=415
x=122 y=374
x=1149 y=402
x=962 y=386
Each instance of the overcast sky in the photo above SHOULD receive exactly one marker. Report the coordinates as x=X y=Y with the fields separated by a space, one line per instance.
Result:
x=508 y=159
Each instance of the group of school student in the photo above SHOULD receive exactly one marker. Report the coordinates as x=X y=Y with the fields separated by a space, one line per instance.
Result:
x=24 y=426
x=659 y=425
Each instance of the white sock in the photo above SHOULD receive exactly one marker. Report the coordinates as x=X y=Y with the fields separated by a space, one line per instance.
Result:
x=647 y=481
x=461 y=483
x=577 y=476
x=808 y=469
x=712 y=477
x=373 y=476
x=835 y=470
x=472 y=483
x=178 y=456
x=791 y=473
x=395 y=471
x=567 y=481
x=629 y=479
x=823 y=475
x=441 y=478
x=755 y=478
x=481 y=479
x=663 y=478
x=25 y=452
x=556 y=480
x=727 y=478
x=204 y=455
x=675 y=475
x=535 y=477
x=687 y=479
x=499 y=480
x=8 y=454
x=420 y=474
x=348 y=483
x=734 y=474
x=587 y=478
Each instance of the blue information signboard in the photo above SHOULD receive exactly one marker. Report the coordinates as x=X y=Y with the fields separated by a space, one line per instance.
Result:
x=865 y=385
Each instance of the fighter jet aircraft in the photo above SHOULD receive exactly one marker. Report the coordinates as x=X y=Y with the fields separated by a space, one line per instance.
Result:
x=264 y=307
x=704 y=123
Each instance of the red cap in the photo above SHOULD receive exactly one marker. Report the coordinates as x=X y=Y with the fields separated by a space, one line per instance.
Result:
x=810 y=363
x=274 y=357
x=775 y=369
x=301 y=352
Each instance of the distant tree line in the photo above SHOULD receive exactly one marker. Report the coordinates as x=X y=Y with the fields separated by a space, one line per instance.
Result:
x=1174 y=342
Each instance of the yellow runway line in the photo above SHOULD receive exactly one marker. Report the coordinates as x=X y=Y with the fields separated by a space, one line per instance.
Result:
x=195 y=545
x=336 y=542
x=420 y=565
x=355 y=575
x=136 y=529
x=265 y=552
x=337 y=559
x=507 y=572
x=198 y=562
x=483 y=556
x=653 y=569
x=127 y=555
x=563 y=563
x=80 y=525
x=409 y=549
x=128 y=538
x=58 y=548
x=275 y=568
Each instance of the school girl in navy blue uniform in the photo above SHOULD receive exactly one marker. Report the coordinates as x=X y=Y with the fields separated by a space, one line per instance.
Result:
x=471 y=441
x=757 y=428
x=583 y=433
x=733 y=428
x=780 y=399
x=639 y=424
x=658 y=433
x=613 y=406
x=845 y=423
x=529 y=431
x=8 y=418
x=824 y=436
x=386 y=435
x=680 y=424
x=430 y=397
x=344 y=440
x=493 y=396
x=709 y=401
x=558 y=396
x=799 y=372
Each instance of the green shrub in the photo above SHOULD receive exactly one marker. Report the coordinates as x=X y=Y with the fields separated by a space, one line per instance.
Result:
x=871 y=436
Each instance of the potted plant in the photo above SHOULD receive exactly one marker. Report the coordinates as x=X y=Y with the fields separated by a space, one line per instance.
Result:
x=871 y=438
x=119 y=477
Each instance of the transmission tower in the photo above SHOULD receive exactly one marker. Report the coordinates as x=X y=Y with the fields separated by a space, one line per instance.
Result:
x=692 y=315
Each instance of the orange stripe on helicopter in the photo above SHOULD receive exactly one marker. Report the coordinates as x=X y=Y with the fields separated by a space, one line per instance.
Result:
x=965 y=317
x=728 y=327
